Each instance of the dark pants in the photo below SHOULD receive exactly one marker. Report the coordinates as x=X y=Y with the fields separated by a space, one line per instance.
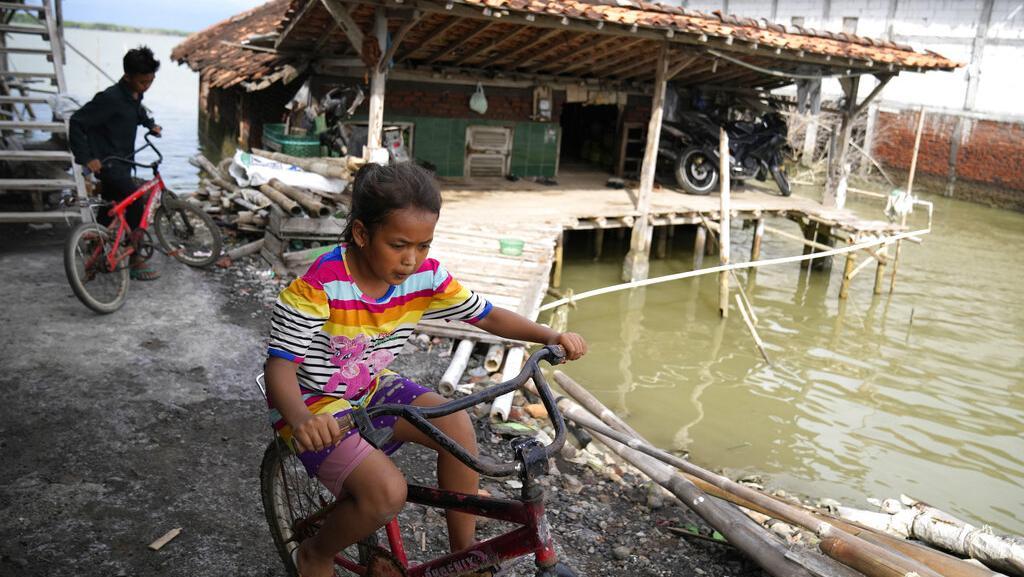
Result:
x=117 y=186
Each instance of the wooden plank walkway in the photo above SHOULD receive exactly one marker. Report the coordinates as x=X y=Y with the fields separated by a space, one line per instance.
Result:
x=478 y=212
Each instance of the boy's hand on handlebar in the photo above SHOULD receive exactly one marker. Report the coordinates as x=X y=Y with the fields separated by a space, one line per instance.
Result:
x=94 y=166
x=316 y=433
x=156 y=130
x=574 y=344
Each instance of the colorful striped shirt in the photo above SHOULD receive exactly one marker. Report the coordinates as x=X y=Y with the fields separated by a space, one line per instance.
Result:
x=342 y=339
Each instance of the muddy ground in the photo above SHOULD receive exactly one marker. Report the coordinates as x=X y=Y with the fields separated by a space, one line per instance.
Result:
x=115 y=429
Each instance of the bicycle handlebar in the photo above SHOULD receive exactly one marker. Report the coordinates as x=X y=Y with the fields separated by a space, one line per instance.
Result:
x=418 y=416
x=149 y=144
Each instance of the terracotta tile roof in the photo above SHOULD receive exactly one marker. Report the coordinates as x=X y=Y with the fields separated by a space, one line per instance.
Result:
x=215 y=52
x=528 y=31
x=717 y=25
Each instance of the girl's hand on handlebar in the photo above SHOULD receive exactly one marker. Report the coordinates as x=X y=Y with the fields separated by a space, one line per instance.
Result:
x=574 y=344
x=156 y=130
x=94 y=166
x=316 y=433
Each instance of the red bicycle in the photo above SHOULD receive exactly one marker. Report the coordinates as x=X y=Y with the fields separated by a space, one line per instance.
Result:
x=295 y=505
x=96 y=258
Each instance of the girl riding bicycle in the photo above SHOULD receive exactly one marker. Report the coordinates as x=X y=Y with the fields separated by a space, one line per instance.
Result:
x=335 y=330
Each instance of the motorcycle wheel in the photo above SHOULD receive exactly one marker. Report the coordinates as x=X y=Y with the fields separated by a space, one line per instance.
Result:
x=696 y=172
x=781 y=180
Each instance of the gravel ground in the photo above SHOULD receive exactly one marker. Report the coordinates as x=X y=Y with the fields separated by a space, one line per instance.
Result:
x=115 y=429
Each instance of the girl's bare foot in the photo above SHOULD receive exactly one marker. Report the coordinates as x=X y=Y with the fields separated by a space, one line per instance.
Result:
x=308 y=564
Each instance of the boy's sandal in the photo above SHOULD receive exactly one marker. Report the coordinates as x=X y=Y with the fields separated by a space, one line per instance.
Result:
x=144 y=274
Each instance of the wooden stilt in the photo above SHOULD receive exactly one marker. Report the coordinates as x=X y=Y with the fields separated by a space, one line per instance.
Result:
x=755 y=247
x=598 y=243
x=377 y=80
x=661 y=248
x=556 y=271
x=699 y=241
x=724 y=224
x=844 y=288
x=879 y=277
x=671 y=234
x=636 y=265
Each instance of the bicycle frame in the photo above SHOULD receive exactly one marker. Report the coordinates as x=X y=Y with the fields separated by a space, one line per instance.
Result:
x=150 y=190
x=534 y=536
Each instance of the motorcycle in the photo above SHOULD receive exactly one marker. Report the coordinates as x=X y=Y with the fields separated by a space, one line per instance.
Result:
x=755 y=150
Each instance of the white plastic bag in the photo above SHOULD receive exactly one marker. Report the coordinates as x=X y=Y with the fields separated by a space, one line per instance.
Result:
x=478 y=102
x=250 y=170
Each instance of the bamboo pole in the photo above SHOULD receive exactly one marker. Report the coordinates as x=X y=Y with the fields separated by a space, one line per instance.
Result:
x=882 y=562
x=277 y=197
x=741 y=531
x=556 y=271
x=755 y=247
x=943 y=563
x=699 y=241
x=329 y=168
x=501 y=406
x=308 y=201
x=246 y=249
x=723 y=232
x=910 y=189
x=753 y=331
x=492 y=360
x=452 y=376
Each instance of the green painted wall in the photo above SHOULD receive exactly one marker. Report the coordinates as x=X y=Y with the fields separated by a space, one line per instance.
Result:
x=442 y=142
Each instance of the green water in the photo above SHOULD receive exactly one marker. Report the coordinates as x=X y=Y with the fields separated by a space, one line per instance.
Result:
x=919 y=393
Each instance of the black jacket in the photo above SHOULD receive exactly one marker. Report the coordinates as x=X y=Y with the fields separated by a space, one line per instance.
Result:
x=106 y=126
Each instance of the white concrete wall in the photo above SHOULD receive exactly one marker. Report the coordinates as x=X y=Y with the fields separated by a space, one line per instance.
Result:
x=948 y=27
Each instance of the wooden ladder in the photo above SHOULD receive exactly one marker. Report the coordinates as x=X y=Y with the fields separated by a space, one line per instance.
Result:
x=18 y=119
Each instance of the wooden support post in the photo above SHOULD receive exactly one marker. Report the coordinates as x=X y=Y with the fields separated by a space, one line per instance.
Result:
x=835 y=191
x=879 y=277
x=724 y=223
x=910 y=189
x=378 y=78
x=844 y=288
x=637 y=264
x=598 y=243
x=699 y=241
x=661 y=248
x=755 y=247
x=556 y=270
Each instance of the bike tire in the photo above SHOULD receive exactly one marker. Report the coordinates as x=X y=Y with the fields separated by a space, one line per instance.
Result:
x=87 y=281
x=290 y=496
x=188 y=234
x=683 y=173
x=781 y=180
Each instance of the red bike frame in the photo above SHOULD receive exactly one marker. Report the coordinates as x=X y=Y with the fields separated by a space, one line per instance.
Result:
x=534 y=536
x=150 y=188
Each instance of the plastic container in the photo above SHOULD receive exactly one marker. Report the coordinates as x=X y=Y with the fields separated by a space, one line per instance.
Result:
x=511 y=246
x=275 y=139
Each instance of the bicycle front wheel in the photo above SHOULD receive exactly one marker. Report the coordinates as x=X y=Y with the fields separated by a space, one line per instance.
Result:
x=188 y=234
x=295 y=506
x=85 y=264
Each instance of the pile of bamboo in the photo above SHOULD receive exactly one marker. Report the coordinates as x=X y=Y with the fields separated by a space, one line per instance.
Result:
x=248 y=209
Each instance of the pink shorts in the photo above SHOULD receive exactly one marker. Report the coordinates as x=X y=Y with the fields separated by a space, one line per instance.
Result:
x=334 y=464
x=346 y=456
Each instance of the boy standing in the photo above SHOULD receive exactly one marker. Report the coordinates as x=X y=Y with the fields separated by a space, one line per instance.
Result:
x=106 y=126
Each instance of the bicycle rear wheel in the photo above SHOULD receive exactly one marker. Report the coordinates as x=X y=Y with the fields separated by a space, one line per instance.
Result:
x=85 y=264
x=187 y=233
x=291 y=501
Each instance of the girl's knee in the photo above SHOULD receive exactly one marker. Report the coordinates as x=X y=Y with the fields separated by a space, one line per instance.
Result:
x=386 y=498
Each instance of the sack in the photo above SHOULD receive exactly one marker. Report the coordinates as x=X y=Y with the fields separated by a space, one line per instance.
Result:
x=478 y=102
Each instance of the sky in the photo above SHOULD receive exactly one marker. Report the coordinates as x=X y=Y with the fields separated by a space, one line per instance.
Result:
x=186 y=15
